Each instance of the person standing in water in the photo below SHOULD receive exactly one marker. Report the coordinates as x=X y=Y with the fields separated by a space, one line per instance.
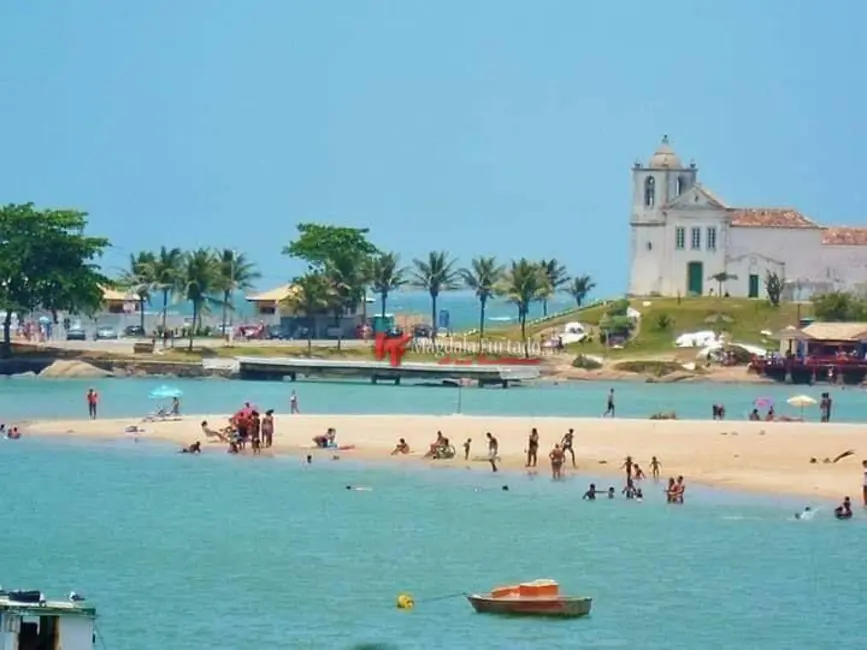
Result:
x=293 y=404
x=557 y=457
x=609 y=411
x=532 y=448
x=92 y=402
x=864 y=482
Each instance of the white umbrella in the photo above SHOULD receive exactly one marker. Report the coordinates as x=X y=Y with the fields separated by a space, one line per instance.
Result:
x=800 y=401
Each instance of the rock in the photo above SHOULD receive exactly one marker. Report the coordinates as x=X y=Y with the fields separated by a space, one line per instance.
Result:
x=29 y=373
x=63 y=369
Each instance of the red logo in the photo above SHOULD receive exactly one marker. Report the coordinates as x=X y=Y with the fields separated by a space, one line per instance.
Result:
x=392 y=347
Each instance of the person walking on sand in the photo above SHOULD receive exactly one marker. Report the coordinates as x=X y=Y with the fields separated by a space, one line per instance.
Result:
x=493 y=450
x=654 y=467
x=609 y=411
x=467 y=445
x=293 y=404
x=92 y=402
x=532 y=448
x=557 y=457
x=566 y=445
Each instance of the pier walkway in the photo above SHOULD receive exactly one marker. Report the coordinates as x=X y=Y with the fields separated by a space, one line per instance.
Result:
x=281 y=367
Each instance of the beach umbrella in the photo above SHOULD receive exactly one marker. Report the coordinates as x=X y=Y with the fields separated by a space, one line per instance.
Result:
x=800 y=401
x=165 y=392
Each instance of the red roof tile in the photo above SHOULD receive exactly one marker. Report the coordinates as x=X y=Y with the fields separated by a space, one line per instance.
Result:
x=845 y=236
x=770 y=218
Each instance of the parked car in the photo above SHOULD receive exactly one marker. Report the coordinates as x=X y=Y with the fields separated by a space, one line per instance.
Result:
x=134 y=330
x=276 y=333
x=76 y=334
x=105 y=334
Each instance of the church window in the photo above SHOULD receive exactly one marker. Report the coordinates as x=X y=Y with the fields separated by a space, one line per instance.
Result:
x=695 y=239
x=711 y=238
x=649 y=192
x=679 y=238
x=679 y=187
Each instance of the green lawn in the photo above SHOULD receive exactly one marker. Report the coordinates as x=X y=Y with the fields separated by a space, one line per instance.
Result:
x=663 y=319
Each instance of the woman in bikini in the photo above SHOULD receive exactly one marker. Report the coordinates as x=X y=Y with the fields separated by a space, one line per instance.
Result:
x=557 y=457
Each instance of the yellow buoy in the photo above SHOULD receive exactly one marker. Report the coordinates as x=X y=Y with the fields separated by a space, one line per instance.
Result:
x=405 y=601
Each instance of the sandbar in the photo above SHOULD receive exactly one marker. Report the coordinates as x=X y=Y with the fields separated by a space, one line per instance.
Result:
x=767 y=457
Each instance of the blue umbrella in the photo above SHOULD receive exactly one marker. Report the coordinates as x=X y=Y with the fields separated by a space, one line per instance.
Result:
x=165 y=392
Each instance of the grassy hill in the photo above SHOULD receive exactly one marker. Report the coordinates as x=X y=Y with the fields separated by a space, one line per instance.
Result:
x=664 y=319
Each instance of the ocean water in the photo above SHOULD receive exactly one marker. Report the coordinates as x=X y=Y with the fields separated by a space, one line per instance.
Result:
x=30 y=398
x=463 y=307
x=220 y=552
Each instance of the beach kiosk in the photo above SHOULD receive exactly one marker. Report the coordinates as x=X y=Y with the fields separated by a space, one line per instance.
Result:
x=30 y=622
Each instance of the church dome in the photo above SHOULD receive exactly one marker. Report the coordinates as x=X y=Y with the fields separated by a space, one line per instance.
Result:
x=664 y=157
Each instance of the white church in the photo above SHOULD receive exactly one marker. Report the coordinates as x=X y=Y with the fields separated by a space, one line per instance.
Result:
x=683 y=234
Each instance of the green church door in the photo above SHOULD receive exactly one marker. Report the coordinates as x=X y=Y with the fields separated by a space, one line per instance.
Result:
x=694 y=278
x=754 y=286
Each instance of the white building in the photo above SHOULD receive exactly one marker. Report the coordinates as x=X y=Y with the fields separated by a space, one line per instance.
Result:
x=683 y=234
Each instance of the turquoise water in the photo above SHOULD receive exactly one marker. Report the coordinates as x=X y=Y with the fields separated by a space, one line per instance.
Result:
x=463 y=307
x=40 y=398
x=200 y=553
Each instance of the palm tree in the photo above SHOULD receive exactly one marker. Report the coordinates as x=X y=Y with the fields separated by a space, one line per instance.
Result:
x=721 y=278
x=200 y=281
x=580 y=287
x=436 y=274
x=386 y=275
x=348 y=276
x=312 y=294
x=524 y=283
x=167 y=275
x=236 y=272
x=556 y=277
x=139 y=279
x=482 y=277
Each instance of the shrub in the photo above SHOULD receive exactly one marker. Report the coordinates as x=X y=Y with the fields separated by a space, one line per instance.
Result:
x=653 y=368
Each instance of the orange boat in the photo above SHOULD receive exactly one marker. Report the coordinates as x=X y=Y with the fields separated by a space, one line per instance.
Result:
x=537 y=598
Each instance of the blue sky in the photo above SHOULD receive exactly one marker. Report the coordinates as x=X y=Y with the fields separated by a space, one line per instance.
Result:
x=478 y=127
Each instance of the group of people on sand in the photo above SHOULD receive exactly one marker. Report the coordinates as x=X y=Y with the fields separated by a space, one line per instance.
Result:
x=247 y=426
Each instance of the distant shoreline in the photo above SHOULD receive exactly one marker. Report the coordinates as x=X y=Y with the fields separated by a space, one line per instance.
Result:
x=758 y=457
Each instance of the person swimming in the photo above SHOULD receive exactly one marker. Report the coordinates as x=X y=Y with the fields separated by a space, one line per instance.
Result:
x=195 y=448
x=806 y=513
x=844 y=510
x=590 y=494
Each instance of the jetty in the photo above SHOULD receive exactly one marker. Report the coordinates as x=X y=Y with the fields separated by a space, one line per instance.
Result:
x=278 y=368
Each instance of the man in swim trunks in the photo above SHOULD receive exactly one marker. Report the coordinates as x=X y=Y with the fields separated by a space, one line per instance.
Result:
x=493 y=450
x=532 y=448
x=566 y=445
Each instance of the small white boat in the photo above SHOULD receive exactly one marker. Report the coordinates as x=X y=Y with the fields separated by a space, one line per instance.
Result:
x=28 y=620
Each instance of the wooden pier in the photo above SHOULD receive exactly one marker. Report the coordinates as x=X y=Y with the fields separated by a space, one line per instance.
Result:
x=281 y=367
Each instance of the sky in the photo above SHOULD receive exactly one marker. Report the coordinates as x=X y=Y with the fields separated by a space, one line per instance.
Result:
x=471 y=126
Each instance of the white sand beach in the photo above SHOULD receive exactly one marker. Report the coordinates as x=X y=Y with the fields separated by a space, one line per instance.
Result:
x=759 y=456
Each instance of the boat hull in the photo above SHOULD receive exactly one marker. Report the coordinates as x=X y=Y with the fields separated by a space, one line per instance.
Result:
x=556 y=606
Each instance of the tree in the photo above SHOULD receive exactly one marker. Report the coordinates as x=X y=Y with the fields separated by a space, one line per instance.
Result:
x=386 y=275
x=46 y=261
x=774 y=285
x=838 y=306
x=556 y=277
x=167 y=276
x=200 y=282
x=581 y=286
x=312 y=294
x=139 y=279
x=235 y=272
x=524 y=283
x=435 y=275
x=318 y=244
x=721 y=278
x=482 y=276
